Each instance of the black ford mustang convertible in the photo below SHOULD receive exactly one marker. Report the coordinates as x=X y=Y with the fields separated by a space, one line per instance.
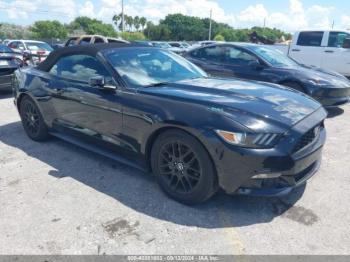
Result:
x=155 y=110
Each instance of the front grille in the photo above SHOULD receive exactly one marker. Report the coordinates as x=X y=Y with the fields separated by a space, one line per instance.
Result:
x=307 y=138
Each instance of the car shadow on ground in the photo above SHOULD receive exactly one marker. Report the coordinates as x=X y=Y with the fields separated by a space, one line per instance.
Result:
x=139 y=191
x=335 y=111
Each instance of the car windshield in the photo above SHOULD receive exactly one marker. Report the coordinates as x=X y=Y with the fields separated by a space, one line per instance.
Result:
x=274 y=57
x=34 y=46
x=5 y=49
x=147 y=66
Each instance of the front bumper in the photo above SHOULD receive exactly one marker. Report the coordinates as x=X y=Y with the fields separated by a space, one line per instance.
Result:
x=6 y=82
x=6 y=75
x=236 y=166
x=331 y=96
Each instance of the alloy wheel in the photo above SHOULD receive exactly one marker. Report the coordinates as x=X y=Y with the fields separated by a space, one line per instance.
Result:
x=179 y=167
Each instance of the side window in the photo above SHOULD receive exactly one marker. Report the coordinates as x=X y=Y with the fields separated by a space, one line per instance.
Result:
x=13 y=45
x=236 y=56
x=71 y=42
x=212 y=53
x=85 y=41
x=81 y=68
x=98 y=40
x=21 y=46
x=310 y=38
x=197 y=53
x=336 y=39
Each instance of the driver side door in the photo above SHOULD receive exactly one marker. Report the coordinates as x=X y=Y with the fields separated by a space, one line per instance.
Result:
x=81 y=108
x=242 y=64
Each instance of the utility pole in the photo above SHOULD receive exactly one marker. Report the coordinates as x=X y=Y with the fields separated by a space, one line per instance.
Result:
x=264 y=22
x=333 y=24
x=211 y=13
x=123 y=21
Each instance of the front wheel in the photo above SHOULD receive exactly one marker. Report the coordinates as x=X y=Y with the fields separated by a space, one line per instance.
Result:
x=183 y=167
x=32 y=121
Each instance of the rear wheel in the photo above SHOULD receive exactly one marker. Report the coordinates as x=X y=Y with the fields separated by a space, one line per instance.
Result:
x=32 y=120
x=183 y=167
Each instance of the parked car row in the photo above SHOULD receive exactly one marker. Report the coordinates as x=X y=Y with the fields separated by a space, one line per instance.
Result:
x=263 y=63
x=153 y=109
x=9 y=62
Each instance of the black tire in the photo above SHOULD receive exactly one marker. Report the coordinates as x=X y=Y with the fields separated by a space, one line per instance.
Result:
x=32 y=120
x=295 y=86
x=183 y=168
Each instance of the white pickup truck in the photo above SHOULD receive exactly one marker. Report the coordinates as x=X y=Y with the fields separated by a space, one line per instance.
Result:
x=329 y=49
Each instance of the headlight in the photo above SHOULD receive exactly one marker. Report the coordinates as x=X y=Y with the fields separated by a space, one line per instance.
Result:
x=263 y=140
x=232 y=138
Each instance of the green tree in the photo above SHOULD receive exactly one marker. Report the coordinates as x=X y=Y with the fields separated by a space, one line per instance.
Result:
x=117 y=20
x=129 y=21
x=92 y=26
x=219 y=37
x=181 y=27
x=143 y=22
x=137 y=23
x=48 y=29
x=12 y=31
x=157 y=32
x=132 y=36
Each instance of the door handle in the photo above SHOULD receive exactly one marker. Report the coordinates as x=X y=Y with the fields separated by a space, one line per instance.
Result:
x=296 y=50
x=329 y=51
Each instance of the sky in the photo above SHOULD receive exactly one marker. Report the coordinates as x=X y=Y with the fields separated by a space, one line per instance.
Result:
x=289 y=15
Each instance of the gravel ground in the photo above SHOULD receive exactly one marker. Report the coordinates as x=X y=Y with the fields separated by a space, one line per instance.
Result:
x=56 y=198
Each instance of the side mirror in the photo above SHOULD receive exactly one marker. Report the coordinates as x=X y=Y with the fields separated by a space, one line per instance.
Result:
x=346 y=43
x=256 y=65
x=99 y=82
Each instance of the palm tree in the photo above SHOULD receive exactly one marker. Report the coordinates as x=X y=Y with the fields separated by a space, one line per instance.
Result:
x=143 y=22
x=117 y=19
x=137 y=23
x=129 y=21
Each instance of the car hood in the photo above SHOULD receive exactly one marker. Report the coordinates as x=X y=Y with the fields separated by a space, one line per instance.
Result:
x=242 y=99
x=325 y=77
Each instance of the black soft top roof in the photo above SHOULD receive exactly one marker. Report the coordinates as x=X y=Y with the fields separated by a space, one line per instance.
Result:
x=92 y=50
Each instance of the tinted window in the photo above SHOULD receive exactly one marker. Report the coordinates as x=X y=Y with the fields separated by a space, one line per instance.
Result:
x=175 y=44
x=80 y=67
x=85 y=41
x=272 y=56
x=71 y=42
x=212 y=53
x=98 y=40
x=336 y=39
x=310 y=38
x=16 y=45
x=237 y=56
